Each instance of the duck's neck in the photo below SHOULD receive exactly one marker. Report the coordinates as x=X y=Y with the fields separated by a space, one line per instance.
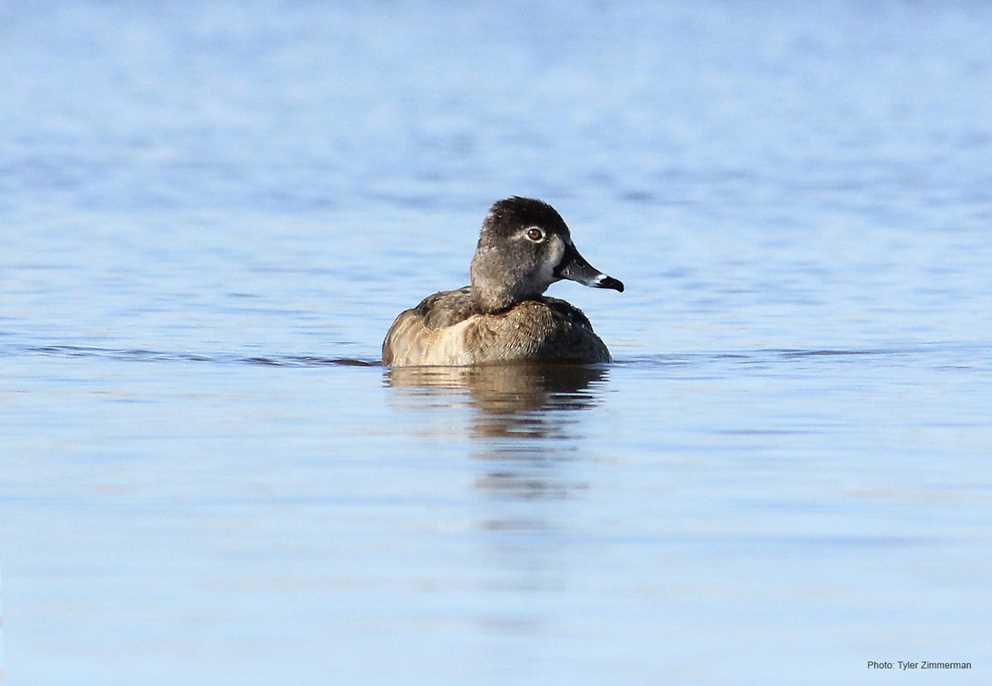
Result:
x=498 y=284
x=491 y=298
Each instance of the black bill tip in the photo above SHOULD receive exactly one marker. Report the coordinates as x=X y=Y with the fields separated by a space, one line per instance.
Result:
x=609 y=282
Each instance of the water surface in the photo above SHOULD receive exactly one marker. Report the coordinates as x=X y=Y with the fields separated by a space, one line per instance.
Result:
x=210 y=216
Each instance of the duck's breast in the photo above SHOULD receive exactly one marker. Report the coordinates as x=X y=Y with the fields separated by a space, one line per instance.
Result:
x=543 y=330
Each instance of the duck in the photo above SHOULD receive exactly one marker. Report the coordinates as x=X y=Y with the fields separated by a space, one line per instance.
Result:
x=503 y=316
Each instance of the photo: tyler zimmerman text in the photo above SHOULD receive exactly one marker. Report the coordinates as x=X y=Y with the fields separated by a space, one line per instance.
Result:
x=904 y=665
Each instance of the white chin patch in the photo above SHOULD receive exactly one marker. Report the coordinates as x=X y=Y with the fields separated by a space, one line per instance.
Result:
x=556 y=252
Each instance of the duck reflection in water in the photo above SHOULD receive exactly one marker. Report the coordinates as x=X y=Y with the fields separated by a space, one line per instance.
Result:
x=519 y=417
x=521 y=400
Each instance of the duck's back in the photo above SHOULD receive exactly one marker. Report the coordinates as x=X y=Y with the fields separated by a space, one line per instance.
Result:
x=448 y=328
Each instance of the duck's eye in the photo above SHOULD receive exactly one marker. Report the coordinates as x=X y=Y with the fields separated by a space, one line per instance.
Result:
x=535 y=234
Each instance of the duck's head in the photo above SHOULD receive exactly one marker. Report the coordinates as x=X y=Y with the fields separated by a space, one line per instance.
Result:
x=525 y=246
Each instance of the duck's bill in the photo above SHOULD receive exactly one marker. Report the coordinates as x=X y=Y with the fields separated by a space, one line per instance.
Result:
x=575 y=268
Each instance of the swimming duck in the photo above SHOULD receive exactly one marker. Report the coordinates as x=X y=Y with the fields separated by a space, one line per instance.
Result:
x=523 y=248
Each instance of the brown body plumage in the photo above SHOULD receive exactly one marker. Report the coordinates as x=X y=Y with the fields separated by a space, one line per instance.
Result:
x=448 y=328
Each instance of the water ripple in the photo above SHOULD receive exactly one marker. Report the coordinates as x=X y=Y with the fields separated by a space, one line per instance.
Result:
x=141 y=355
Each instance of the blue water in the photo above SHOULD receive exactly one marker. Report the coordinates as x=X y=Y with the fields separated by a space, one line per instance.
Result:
x=209 y=216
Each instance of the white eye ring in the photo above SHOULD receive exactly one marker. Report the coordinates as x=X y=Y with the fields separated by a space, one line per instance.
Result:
x=534 y=234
